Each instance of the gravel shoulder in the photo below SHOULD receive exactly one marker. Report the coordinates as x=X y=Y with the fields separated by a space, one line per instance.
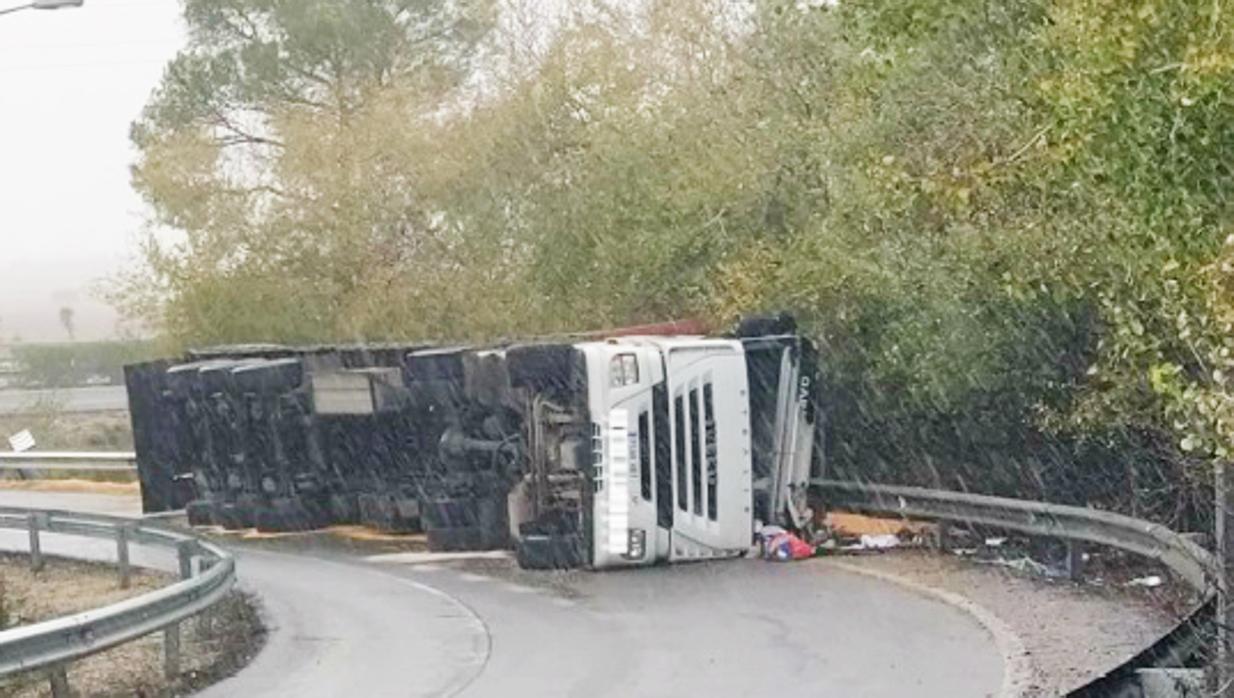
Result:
x=208 y=653
x=1070 y=632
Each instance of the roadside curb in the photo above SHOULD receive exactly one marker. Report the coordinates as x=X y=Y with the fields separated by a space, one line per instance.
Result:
x=1017 y=671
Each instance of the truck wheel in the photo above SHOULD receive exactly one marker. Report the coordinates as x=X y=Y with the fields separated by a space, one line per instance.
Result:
x=550 y=552
x=404 y=515
x=374 y=510
x=286 y=515
x=343 y=509
x=316 y=511
x=493 y=522
x=267 y=520
x=232 y=516
x=199 y=512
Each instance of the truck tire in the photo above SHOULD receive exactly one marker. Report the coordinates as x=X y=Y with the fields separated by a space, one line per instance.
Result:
x=450 y=512
x=234 y=516
x=279 y=516
x=343 y=509
x=390 y=514
x=375 y=510
x=199 y=512
x=493 y=520
x=550 y=552
x=267 y=520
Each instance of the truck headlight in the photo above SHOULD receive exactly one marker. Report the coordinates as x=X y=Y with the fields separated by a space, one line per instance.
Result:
x=636 y=544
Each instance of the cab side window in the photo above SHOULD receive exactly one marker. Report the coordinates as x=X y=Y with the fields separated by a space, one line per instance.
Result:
x=644 y=455
x=623 y=370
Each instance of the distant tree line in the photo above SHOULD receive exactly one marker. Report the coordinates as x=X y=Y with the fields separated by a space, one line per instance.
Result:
x=1007 y=223
x=76 y=364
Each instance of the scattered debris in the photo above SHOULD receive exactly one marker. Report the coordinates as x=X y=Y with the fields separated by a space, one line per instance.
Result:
x=1152 y=581
x=1027 y=565
x=778 y=545
x=789 y=547
x=879 y=542
x=855 y=525
x=22 y=441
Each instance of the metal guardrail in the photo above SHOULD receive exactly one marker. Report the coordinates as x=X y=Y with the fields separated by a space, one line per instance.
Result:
x=1191 y=562
x=51 y=645
x=112 y=461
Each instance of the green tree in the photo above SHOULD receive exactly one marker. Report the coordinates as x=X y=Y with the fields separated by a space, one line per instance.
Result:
x=278 y=144
x=1003 y=221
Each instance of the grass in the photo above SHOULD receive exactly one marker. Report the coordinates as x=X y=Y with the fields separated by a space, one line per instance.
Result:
x=54 y=429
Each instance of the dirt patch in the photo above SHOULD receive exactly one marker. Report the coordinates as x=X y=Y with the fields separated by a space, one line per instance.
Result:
x=1071 y=632
x=350 y=540
x=209 y=651
x=64 y=587
x=73 y=485
x=57 y=430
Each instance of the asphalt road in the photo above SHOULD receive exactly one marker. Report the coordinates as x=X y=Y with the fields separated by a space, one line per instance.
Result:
x=346 y=625
x=103 y=398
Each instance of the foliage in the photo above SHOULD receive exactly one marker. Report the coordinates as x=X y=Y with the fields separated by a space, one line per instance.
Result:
x=285 y=143
x=1003 y=221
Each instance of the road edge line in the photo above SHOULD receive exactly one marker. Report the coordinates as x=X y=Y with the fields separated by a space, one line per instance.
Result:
x=371 y=569
x=1017 y=670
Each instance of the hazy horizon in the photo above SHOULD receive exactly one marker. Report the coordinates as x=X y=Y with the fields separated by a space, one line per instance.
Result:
x=71 y=83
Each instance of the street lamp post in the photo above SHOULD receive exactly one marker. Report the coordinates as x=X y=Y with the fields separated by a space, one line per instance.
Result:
x=43 y=5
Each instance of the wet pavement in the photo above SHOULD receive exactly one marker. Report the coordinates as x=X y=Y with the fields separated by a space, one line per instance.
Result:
x=346 y=625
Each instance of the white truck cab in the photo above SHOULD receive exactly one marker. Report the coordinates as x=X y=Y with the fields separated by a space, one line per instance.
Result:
x=674 y=474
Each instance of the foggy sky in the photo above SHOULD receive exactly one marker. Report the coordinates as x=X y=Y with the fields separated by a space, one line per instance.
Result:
x=71 y=82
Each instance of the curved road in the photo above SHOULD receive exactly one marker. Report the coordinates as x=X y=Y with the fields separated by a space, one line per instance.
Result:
x=345 y=625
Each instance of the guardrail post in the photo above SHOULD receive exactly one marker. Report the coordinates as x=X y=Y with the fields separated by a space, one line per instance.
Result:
x=1075 y=560
x=205 y=619
x=35 y=522
x=122 y=555
x=184 y=551
x=171 y=651
x=942 y=536
x=59 y=679
x=1224 y=486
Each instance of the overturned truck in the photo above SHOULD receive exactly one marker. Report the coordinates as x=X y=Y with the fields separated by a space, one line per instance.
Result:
x=616 y=449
